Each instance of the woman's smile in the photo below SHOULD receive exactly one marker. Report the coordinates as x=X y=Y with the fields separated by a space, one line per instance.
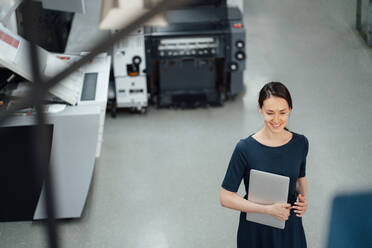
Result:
x=275 y=125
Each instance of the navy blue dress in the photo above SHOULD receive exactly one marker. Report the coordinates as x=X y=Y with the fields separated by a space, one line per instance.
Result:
x=287 y=160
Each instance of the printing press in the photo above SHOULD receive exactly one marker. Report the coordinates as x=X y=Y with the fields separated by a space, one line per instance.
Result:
x=198 y=59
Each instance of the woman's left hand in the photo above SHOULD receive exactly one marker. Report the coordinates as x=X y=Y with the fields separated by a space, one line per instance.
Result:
x=300 y=206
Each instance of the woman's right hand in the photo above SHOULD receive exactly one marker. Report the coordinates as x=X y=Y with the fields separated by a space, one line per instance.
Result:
x=280 y=210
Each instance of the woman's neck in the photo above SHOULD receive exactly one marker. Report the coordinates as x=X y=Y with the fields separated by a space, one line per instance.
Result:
x=268 y=134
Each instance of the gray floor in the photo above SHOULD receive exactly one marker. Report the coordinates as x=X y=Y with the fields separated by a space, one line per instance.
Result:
x=157 y=182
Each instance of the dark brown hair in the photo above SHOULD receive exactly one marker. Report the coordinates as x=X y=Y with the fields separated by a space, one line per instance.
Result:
x=274 y=89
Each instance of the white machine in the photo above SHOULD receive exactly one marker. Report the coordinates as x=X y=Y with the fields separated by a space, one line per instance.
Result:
x=86 y=86
x=129 y=71
x=78 y=126
x=94 y=86
x=72 y=157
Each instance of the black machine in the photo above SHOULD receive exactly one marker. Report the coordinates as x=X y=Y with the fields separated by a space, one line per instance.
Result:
x=199 y=58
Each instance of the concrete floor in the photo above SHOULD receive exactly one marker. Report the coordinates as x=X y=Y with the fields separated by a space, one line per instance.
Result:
x=158 y=179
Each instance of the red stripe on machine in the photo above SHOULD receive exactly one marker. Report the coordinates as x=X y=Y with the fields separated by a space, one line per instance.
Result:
x=9 y=39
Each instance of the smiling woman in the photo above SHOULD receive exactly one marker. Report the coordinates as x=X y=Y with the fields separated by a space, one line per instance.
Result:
x=278 y=104
x=273 y=149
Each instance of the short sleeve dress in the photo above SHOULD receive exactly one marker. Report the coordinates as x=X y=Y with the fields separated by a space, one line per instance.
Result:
x=287 y=160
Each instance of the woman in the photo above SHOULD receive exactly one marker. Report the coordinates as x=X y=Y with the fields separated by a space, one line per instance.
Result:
x=276 y=150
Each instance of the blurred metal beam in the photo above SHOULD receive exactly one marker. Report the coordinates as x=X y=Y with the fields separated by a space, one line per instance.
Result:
x=40 y=137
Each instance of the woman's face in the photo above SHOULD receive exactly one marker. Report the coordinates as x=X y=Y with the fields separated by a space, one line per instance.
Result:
x=276 y=112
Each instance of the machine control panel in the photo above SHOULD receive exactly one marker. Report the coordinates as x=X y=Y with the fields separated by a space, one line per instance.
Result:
x=188 y=47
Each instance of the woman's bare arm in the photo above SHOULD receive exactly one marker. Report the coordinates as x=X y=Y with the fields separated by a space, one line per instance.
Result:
x=301 y=186
x=301 y=205
x=232 y=200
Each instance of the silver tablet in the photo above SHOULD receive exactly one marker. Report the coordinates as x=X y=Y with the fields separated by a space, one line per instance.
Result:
x=267 y=188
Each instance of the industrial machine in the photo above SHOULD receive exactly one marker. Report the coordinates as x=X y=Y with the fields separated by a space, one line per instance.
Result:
x=73 y=134
x=75 y=111
x=93 y=87
x=199 y=58
x=87 y=86
x=129 y=71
